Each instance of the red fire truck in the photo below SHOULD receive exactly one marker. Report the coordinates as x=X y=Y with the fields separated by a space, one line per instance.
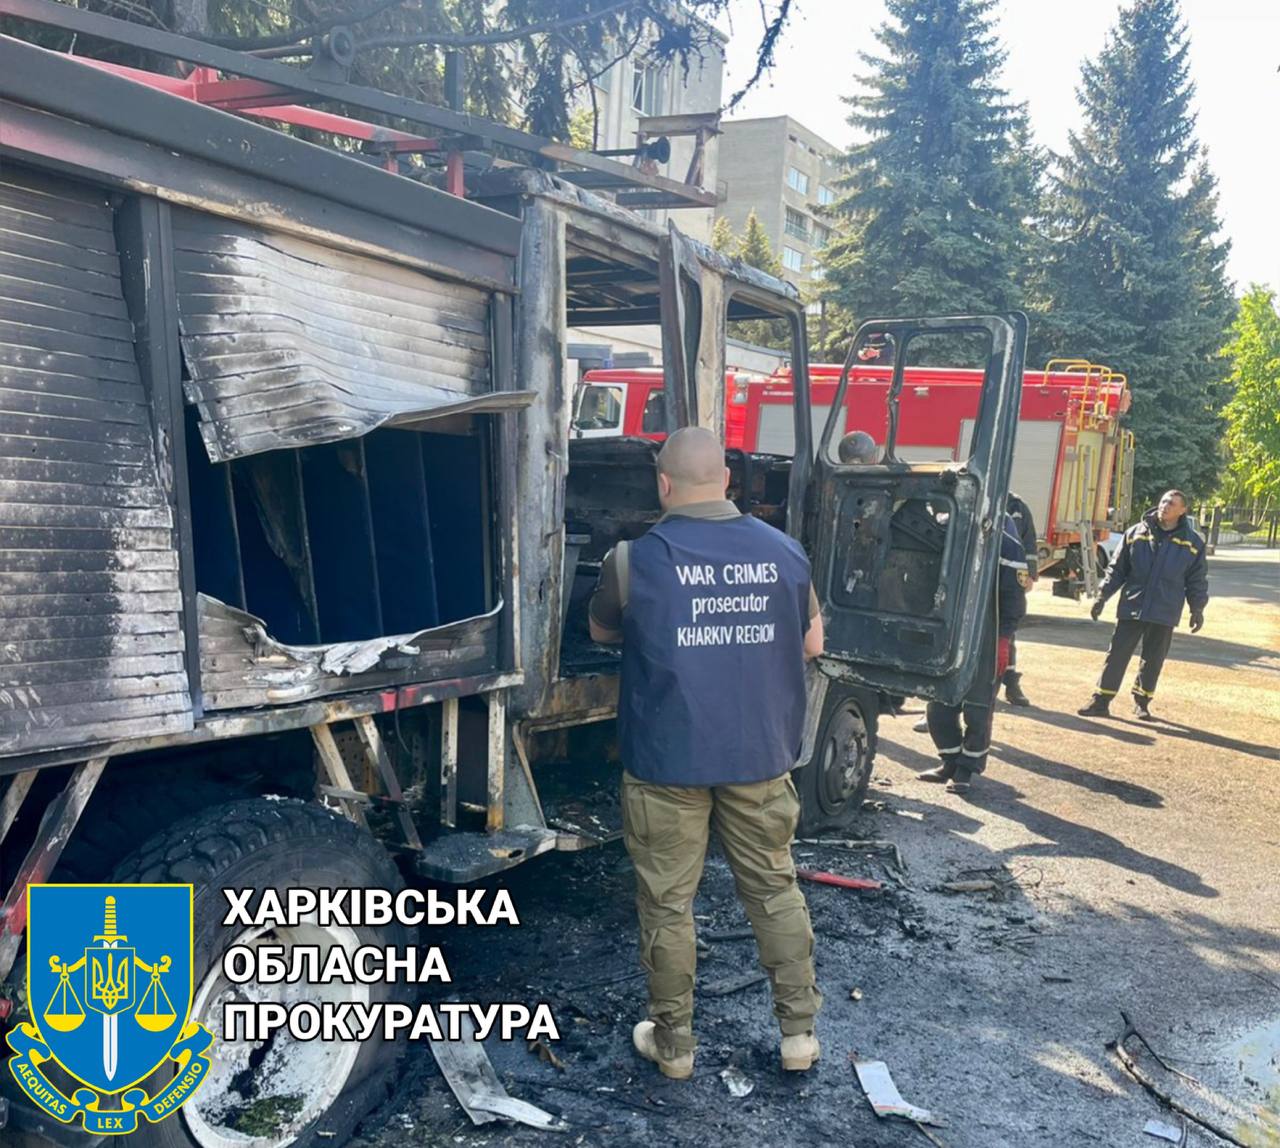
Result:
x=1073 y=462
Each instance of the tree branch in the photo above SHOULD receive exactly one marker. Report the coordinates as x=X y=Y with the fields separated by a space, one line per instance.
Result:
x=297 y=35
x=498 y=36
x=764 y=55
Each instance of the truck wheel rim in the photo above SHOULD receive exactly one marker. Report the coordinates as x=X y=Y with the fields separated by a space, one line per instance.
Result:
x=843 y=759
x=264 y=1094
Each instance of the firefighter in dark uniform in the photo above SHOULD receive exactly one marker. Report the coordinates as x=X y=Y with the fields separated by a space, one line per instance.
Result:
x=716 y=616
x=1160 y=564
x=1025 y=526
x=962 y=733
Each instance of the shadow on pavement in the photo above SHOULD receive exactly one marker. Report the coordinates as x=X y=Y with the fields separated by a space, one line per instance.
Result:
x=1062 y=838
x=1126 y=791
x=1082 y=725
x=1083 y=634
x=1206 y=737
x=1066 y=838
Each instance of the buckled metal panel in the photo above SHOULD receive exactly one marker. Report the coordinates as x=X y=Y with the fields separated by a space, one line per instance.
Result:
x=290 y=343
x=91 y=648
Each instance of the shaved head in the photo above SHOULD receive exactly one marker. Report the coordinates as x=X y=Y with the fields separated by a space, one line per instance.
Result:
x=692 y=456
x=691 y=467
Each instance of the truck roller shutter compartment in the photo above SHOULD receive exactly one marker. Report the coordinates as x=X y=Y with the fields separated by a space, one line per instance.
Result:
x=91 y=646
x=289 y=343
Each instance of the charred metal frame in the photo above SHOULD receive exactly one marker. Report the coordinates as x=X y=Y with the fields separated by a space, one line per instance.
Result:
x=973 y=491
x=265 y=82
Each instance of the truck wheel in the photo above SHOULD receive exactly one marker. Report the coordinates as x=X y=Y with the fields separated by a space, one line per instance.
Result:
x=834 y=782
x=279 y=1092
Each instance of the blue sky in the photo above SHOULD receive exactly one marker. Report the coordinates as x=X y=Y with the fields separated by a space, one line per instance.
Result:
x=1235 y=52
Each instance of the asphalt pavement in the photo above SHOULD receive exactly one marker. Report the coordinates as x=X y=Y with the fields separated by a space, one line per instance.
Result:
x=1098 y=867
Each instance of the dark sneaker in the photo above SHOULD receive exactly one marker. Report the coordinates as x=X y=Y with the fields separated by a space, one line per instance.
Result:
x=1097 y=707
x=944 y=772
x=1142 y=708
x=961 y=782
x=1013 y=690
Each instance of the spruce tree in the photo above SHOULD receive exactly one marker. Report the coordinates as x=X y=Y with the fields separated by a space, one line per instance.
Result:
x=1137 y=279
x=722 y=237
x=932 y=219
x=755 y=249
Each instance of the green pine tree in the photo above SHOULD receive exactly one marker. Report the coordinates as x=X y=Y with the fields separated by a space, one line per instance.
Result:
x=722 y=237
x=936 y=199
x=755 y=249
x=1137 y=278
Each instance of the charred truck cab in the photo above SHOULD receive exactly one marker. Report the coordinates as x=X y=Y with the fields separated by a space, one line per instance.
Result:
x=289 y=508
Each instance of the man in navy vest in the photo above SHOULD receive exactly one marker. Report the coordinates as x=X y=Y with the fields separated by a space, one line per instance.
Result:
x=716 y=616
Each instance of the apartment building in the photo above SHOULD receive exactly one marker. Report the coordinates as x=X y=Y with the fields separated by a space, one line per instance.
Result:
x=786 y=174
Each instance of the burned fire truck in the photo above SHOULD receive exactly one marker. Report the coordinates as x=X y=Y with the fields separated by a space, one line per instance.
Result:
x=294 y=543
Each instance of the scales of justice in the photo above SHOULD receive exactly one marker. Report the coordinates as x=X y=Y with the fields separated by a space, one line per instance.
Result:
x=109 y=986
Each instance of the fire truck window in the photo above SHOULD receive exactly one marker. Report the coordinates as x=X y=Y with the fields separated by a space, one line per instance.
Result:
x=943 y=386
x=653 y=420
x=600 y=409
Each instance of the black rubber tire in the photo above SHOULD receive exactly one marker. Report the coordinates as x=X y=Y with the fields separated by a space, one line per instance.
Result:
x=833 y=783
x=126 y=810
x=278 y=844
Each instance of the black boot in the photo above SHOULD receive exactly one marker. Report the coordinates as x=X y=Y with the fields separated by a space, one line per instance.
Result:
x=1099 y=706
x=1142 y=708
x=944 y=772
x=1013 y=689
x=961 y=782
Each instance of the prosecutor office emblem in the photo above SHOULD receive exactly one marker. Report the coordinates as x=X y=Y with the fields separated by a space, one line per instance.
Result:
x=109 y=980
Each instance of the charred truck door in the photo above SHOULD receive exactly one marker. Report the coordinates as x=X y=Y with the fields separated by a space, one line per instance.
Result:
x=905 y=554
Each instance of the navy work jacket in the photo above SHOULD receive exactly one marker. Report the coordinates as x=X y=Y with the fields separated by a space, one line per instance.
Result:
x=1155 y=571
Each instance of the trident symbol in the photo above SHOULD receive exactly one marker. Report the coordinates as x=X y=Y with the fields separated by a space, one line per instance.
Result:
x=109 y=989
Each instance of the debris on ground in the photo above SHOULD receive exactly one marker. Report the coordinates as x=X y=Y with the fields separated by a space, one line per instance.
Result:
x=1164 y=1095
x=736 y=1082
x=968 y=886
x=1163 y=1131
x=869 y=846
x=883 y=1094
x=466 y=1068
x=730 y=985
x=545 y=1053
x=841 y=882
x=855 y=994
x=731 y=935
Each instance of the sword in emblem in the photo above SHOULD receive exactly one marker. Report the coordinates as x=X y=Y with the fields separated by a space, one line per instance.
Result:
x=110 y=1028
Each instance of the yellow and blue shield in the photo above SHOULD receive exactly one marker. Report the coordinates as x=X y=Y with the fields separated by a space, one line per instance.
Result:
x=110 y=973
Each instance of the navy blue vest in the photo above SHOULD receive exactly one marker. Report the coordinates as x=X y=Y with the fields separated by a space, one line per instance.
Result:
x=712 y=686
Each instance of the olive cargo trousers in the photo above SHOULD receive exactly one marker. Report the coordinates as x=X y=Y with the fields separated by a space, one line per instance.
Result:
x=666 y=829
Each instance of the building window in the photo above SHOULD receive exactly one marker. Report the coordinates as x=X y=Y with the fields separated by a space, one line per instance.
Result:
x=646 y=89
x=797 y=180
x=816 y=272
x=814 y=308
x=796 y=224
x=821 y=235
x=826 y=195
x=792 y=259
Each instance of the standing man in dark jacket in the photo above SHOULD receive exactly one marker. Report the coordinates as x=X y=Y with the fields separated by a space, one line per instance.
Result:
x=1161 y=563
x=1025 y=527
x=963 y=748
x=716 y=616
